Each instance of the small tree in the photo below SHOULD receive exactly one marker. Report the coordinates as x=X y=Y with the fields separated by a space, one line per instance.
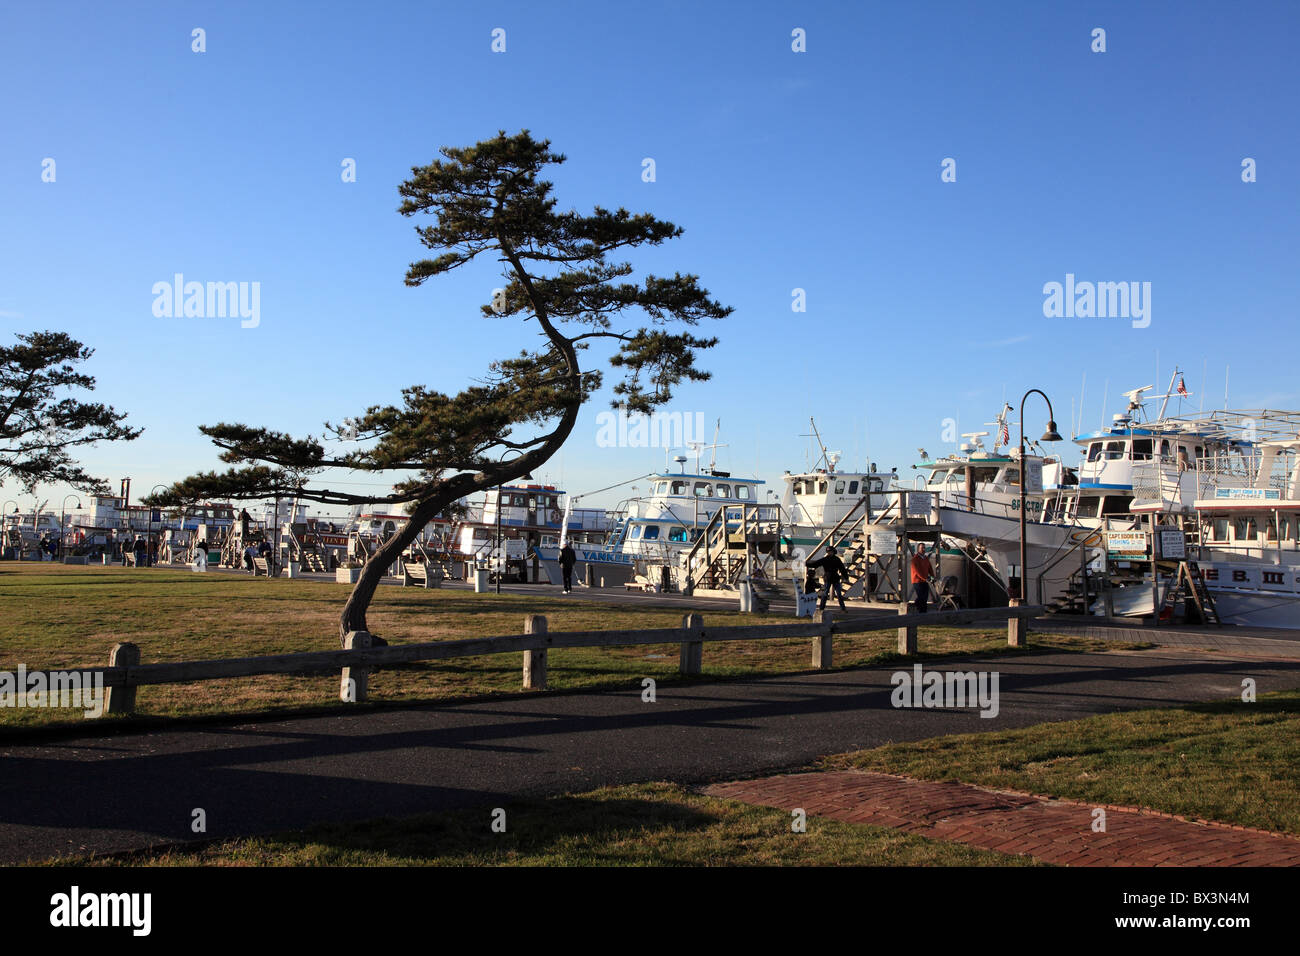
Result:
x=489 y=199
x=41 y=419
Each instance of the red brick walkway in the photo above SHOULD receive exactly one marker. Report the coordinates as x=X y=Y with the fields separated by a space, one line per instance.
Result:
x=1054 y=831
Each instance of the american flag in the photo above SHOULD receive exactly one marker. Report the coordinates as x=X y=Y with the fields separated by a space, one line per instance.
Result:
x=1182 y=386
x=1005 y=434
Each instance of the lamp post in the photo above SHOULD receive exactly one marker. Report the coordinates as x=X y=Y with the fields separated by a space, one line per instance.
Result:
x=62 y=514
x=153 y=543
x=4 y=514
x=1050 y=435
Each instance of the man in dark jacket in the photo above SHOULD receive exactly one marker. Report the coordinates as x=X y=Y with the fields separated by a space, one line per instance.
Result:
x=833 y=570
x=567 y=560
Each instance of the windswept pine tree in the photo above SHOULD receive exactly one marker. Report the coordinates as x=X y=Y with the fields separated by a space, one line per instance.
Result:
x=41 y=418
x=568 y=297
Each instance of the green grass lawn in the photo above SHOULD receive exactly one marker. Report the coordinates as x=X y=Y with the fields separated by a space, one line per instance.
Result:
x=654 y=824
x=58 y=616
x=1232 y=762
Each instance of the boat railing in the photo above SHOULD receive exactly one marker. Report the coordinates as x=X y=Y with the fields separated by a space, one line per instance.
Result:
x=1273 y=472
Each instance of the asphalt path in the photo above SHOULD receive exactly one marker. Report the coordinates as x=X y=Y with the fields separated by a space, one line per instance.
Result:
x=106 y=793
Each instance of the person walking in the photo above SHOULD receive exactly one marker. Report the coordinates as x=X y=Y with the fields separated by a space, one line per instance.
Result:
x=921 y=574
x=833 y=570
x=141 y=552
x=567 y=560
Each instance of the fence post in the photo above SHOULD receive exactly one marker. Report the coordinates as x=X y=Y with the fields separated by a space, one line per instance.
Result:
x=1017 y=627
x=821 y=644
x=356 y=680
x=121 y=700
x=906 y=635
x=692 y=655
x=535 y=661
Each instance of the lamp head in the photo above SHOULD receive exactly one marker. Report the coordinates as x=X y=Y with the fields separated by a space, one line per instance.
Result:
x=1051 y=434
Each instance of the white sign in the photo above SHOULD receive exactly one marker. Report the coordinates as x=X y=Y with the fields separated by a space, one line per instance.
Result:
x=806 y=604
x=884 y=542
x=1126 y=544
x=919 y=504
x=1173 y=544
x=1258 y=493
x=1033 y=476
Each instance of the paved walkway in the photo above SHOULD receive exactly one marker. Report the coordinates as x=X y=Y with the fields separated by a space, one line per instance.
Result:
x=1054 y=831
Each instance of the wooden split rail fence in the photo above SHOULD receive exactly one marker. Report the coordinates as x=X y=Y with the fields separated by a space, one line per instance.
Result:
x=125 y=672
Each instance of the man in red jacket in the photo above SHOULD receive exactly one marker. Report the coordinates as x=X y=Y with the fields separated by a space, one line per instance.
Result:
x=921 y=574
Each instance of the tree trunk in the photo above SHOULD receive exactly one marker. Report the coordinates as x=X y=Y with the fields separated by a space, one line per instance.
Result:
x=353 y=617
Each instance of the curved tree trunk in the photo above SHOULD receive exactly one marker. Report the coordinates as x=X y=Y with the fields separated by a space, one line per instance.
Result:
x=353 y=617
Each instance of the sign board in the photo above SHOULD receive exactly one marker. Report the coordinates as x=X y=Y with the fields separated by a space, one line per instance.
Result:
x=1262 y=494
x=1033 y=476
x=919 y=504
x=806 y=604
x=884 y=542
x=1126 y=545
x=1173 y=544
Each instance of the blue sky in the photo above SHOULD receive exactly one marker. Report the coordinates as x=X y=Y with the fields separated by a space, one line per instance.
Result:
x=817 y=170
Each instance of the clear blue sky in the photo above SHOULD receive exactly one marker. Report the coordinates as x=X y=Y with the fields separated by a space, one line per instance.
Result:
x=817 y=170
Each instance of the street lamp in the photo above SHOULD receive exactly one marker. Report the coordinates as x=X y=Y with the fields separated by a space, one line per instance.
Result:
x=152 y=542
x=1050 y=435
x=62 y=513
x=5 y=527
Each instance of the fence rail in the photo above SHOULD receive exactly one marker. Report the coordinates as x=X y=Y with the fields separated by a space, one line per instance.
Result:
x=124 y=672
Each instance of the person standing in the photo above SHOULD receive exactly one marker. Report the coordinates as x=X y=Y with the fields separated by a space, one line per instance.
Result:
x=921 y=574
x=833 y=570
x=141 y=552
x=567 y=560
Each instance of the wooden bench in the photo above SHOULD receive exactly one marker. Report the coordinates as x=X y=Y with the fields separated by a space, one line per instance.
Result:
x=421 y=575
x=265 y=566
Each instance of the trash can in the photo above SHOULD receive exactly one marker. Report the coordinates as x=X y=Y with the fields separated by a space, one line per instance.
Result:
x=480 y=580
x=292 y=569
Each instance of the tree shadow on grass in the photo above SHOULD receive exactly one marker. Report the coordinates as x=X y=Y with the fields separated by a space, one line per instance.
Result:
x=558 y=830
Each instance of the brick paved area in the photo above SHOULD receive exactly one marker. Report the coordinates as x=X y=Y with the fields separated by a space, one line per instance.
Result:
x=1054 y=831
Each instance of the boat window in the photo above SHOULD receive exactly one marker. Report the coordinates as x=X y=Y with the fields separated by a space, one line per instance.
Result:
x=1164 y=449
x=661 y=488
x=1219 y=529
x=1114 y=505
x=1287 y=531
x=742 y=492
x=1087 y=507
x=1094 y=451
x=1271 y=530
x=703 y=489
x=1141 y=449
x=839 y=487
x=677 y=533
x=636 y=532
x=695 y=533
x=651 y=532
x=724 y=491
x=877 y=484
x=798 y=487
x=532 y=502
x=681 y=487
x=936 y=478
x=1114 y=451
x=1013 y=476
x=853 y=487
x=1245 y=529
x=821 y=487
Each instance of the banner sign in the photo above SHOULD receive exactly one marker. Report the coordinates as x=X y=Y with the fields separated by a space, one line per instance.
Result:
x=1126 y=544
